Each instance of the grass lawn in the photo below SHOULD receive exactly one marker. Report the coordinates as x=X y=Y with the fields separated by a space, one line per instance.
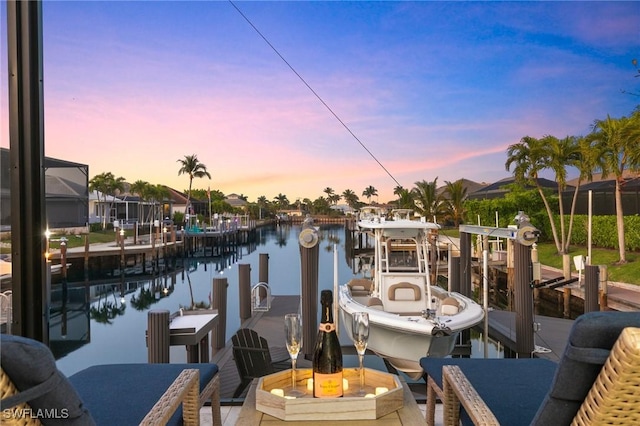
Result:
x=628 y=273
x=77 y=241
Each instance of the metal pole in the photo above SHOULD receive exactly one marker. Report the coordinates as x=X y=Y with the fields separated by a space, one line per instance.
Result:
x=590 y=223
x=485 y=299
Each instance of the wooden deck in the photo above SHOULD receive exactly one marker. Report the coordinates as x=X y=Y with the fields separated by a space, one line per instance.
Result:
x=553 y=335
x=269 y=325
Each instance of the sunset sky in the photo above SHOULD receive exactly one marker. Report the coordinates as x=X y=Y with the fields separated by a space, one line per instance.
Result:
x=431 y=89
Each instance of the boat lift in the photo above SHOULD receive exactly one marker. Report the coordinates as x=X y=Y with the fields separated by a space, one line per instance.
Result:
x=526 y=235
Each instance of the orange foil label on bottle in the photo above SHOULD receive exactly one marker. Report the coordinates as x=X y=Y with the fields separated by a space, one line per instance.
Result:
x=327 y=385
x=327 y=327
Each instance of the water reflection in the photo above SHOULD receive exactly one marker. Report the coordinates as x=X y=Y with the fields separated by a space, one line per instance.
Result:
x=103 y=322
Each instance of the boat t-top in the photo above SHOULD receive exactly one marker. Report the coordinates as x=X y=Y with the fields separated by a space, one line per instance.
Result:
x=409 y=316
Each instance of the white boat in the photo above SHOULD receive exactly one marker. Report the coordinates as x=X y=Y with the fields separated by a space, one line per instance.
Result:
x=409 y=318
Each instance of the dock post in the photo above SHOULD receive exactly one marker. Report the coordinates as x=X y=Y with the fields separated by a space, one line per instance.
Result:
x=263 y=274
x=309 y=255
x=454 y=274
x=566 y=266
x=591 y=280
x=567 y=302
x=220 y=303
x=158 y=336
x=604 y=278
x=523 y=300
x=244 y=290
x=465 y=264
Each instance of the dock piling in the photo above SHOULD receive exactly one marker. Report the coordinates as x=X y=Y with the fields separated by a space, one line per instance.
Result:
x=263 y=274
x=591 y=280
x=244 y=290
x=309 y=256
x=604 y=279
x=523 y=300
x=158 y=336
x=220 y=303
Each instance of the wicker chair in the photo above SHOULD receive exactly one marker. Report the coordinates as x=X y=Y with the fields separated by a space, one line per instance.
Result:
x=123 y=394
x=614 y=397
x=183 y=391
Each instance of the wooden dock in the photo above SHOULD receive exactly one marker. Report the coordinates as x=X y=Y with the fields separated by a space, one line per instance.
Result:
x=270 y=325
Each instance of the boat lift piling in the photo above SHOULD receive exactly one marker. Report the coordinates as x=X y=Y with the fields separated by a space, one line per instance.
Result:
x=524 y=236
x=309 y=258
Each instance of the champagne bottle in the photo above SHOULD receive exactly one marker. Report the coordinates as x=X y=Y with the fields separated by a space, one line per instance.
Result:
x=327 y=354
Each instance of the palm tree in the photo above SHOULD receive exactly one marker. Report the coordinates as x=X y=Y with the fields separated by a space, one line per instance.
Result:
x=456 y=194
x=618 y=141
x=562 y=153
x=107 y=184
x=529 y=157
x=329 y=191
x=157 y=194
x=282 y=201
x=140 y=187
x=589 y=161
x=405 y=199
x=427 y=200
x=262 y=202
x=369 y=192
x=195 y=169
x=350 y=198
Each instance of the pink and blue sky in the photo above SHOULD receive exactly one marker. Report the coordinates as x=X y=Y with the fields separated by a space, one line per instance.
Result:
x=432 y=89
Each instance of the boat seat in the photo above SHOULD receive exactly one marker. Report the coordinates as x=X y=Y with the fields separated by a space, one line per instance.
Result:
x=375 y=303
x=404 y=291
x=404 y=298
x=449 y=306
x=360 y=287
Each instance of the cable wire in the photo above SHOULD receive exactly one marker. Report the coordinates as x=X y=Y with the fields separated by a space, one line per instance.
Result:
x=314 y=92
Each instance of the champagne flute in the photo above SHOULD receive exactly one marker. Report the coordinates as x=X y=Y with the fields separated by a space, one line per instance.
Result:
x=360 y=335
x=293 y=334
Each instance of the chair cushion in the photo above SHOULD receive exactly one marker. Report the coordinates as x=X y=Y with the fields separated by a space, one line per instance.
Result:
x=30 y=363
x=122 y=394
x=592 y=337
x=512 y=388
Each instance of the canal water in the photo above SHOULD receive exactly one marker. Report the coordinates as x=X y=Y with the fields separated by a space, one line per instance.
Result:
x=105 y=322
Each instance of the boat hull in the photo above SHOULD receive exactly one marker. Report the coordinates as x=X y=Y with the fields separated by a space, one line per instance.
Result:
x=403 y=339
x=404 y=349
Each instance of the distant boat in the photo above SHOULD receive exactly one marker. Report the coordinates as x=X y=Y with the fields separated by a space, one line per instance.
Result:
x=409 y=318
x=283 y=218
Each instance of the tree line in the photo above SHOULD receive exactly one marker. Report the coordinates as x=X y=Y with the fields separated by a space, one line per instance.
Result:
x=612 y=146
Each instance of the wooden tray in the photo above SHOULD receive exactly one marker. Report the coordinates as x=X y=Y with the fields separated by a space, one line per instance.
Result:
x=349 y=407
